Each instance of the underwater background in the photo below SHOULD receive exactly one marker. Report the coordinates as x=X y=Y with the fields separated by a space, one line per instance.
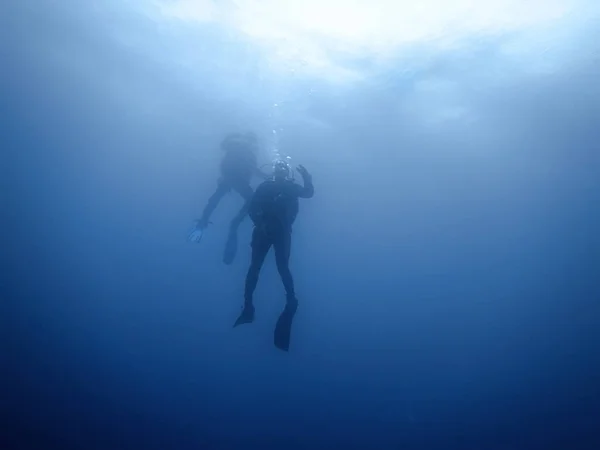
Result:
x=447 y=268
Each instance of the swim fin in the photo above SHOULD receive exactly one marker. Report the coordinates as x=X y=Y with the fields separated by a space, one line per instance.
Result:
x=247 y=316
x=230 y=247
x=283 y=329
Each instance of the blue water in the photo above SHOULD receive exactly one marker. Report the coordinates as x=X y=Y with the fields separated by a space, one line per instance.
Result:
x=447 y=267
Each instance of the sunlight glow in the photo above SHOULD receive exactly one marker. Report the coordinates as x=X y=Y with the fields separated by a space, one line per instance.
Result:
x=316 y=32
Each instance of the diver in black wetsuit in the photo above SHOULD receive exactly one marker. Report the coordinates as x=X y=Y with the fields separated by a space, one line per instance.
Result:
x=238 y=167
x=273 y=209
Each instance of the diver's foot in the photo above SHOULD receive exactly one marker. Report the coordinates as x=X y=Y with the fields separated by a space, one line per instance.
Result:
x=283 y=329
x=247 y=315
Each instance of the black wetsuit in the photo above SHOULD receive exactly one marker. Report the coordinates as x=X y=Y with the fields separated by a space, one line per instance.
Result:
x=237 y=168
x=273 y=209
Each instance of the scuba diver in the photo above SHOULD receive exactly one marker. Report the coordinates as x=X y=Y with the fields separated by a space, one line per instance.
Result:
x=273 y=209
x=238 y=166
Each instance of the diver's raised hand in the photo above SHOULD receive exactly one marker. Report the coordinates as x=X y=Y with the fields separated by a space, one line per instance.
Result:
x=302 y=171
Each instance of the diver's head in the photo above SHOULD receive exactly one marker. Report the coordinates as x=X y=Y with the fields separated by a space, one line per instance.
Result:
x=281 y=170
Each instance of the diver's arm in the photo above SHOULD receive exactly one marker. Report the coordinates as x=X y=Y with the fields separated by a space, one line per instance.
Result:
x=308 y=190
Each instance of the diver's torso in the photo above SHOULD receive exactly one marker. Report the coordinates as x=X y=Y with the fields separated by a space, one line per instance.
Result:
x=238 y=163
x=279 y=202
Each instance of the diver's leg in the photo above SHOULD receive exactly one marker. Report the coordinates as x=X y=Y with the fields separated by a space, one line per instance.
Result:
x=213 y=201
x=260 y=247
x=239 y=217
x=232 y=241
x=231 y=245
x=245 y=190
x=282 y=245
x=283 y=329
x=261 y=243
